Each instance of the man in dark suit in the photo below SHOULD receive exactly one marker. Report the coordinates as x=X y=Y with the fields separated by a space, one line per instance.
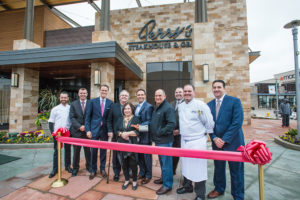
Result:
x=77 y=117
x=144 y=112
x=96 y=128
x=114 y=114
x=228 y=135
x=176 y=143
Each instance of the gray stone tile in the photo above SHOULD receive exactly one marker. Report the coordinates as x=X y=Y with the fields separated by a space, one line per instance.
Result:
x=287 y=164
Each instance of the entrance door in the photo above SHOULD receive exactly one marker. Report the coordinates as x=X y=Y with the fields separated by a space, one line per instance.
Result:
x=119 y=86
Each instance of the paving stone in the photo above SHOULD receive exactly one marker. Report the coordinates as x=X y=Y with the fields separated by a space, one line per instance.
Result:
x=91 y=194
x=76 y=186
x=116 y=197
x=43 y=183
x=15 y=182
x=5 y=190
x=116 y=188
x=27 y=193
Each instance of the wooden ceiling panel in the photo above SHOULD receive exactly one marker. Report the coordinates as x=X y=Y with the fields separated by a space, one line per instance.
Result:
x=18 y=4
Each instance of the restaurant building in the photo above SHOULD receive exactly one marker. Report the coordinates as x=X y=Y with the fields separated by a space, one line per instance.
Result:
x=153 y=47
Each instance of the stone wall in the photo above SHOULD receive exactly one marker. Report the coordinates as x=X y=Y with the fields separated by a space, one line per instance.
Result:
x=222 y=43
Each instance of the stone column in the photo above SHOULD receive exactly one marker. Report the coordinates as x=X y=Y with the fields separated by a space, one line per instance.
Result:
x=24 y=99
x=107 y=78
x=203 y=53
x=107 y=70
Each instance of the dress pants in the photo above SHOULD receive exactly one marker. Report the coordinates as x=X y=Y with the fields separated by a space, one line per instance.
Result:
x=130 y=163
x=176 y=144
x=285 y=120
x=116 y=163
x=166 y=167
x=237 y=178
x=67 y=148
x=145 y=163
x=199 y=187
x=94 y=153
x=76 y=156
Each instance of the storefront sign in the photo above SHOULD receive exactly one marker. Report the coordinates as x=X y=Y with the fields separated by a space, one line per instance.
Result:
x=161 y=39
x=289 y=77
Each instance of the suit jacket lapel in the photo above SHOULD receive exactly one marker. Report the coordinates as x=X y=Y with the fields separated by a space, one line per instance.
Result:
x=142 y=108
x=79 y=106
x=106 y=106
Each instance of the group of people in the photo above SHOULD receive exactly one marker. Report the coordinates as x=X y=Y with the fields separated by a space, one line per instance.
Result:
x=185 y=123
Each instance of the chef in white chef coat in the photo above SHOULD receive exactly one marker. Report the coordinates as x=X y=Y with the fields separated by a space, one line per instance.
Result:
x=195 y=122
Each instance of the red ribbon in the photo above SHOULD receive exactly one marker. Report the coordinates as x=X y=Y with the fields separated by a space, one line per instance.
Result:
x=64 y=132
x=256 y=152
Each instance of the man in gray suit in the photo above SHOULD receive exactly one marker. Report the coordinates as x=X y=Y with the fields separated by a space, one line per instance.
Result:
x=77 y=117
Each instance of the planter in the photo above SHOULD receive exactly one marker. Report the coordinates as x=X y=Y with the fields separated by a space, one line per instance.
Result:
x=45 y=127
x=286 y=144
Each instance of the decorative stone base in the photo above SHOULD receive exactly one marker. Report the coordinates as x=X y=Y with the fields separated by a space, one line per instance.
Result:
x=286 y=144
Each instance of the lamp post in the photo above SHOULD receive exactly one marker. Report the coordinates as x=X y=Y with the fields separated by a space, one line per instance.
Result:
x=294 y=24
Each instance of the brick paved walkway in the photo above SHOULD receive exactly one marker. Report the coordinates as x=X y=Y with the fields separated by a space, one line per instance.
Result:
x=35 y=184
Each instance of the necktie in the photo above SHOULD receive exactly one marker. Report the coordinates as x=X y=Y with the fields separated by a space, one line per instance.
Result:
x=82 y=106
x=102 y=107
x=218 y=107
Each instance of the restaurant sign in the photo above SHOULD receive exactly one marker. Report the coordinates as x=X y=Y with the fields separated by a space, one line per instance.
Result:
x=162 y=39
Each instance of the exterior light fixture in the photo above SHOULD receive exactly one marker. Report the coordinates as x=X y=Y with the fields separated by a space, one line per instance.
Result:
x=205 y=72
x=97 y=80
x=14 y=80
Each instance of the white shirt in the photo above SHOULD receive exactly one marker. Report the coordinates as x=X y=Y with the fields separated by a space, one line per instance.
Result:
x=60 y=116
x=195 y=119
x=138 y=108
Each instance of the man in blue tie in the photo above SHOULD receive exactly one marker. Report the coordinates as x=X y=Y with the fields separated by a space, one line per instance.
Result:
x=96 y=128
x=144 y=112
x=228 y=135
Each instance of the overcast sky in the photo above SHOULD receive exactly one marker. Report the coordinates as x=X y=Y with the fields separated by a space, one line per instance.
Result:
x=266 y=19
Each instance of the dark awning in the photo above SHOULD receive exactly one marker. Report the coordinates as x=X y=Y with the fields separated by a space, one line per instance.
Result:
x=84 y=54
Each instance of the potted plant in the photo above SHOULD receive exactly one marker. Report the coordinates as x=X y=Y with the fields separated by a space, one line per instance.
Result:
x=47 y=100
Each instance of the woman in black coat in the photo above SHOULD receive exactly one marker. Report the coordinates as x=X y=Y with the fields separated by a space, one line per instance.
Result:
x=128 y=134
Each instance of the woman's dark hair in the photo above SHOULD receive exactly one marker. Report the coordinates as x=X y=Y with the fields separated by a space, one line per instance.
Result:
x=131 y=106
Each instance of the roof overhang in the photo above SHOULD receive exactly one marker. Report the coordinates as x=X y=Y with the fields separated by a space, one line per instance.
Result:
x=253 y=55
x=19 y=4
x=75 y=55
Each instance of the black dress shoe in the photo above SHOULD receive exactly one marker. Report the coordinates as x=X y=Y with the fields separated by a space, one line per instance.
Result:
x=103 y=173
x=52 y=174
x=92 y=175
x=124 y=187
x=158 y=181
x=163 y=190
x=116 y=178
x=134 y=187
x=183 y=190
x=74 y=172
x=146 y=180
x=69 y=169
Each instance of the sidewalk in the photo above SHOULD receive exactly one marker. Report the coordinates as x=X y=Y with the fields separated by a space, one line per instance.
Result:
x=29 y=175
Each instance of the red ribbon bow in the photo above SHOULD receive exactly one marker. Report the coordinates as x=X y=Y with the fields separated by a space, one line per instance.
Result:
x=256 y=152
x=64 y=132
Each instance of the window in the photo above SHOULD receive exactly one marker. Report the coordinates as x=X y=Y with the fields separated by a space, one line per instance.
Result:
x=167 y=76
